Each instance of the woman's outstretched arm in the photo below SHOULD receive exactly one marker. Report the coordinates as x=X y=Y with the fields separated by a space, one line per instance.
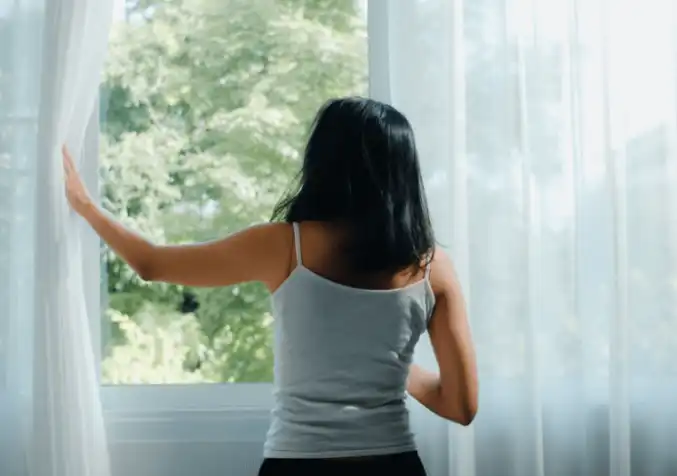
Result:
x=260 y=253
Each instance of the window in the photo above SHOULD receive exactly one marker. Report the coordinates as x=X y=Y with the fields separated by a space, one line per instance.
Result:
x=204 y=113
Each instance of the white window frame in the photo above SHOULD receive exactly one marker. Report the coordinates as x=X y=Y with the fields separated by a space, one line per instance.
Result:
x=194 y=407
x=145 y=400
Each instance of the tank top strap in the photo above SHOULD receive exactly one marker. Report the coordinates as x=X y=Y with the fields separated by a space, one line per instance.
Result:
x=427 y=268
x=297 y=243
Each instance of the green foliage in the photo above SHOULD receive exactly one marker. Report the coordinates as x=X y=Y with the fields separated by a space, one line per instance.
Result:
x=207 y=104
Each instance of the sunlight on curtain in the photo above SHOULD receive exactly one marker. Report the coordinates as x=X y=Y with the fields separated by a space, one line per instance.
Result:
x=548 y=133
x=20 y=24
x=51 y=421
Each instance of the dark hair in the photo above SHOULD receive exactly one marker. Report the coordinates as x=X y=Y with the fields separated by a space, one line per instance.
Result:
x=360 y=168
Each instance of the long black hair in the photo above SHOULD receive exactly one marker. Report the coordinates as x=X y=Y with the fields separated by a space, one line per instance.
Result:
x=361 y=169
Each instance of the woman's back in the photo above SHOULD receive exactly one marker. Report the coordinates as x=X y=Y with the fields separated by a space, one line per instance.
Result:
x=350 y=301
x=343 y=345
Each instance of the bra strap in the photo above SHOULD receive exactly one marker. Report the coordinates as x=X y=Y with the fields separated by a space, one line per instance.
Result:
x=297 y=243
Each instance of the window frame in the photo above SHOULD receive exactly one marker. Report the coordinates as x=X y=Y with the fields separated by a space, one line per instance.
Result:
x=145 y=399
x=189 y=404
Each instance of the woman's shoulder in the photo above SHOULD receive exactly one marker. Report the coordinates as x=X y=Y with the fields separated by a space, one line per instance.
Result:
x=274 y=233
x=279 y=236
x=442 y=272
x=275 y=228
x=274 y=242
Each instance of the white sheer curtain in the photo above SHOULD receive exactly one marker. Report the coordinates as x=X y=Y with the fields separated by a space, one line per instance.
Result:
x=51 y=56
x=548 y=133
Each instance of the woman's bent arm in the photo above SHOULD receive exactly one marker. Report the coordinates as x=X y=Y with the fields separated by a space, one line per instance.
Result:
x=453 y=393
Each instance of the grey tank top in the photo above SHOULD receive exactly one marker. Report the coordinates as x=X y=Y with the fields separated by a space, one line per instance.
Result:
x=342 y=357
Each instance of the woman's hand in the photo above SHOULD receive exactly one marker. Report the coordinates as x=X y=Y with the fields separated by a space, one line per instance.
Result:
x=76 y=192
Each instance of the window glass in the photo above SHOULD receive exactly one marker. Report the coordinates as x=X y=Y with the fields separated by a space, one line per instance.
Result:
x=205 y=108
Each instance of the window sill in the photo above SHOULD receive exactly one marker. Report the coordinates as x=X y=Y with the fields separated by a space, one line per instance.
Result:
x=187 y=398
x=209 y=413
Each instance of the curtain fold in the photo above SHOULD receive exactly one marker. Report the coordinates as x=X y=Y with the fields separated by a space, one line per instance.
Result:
x=547 y=134
x=51 y=388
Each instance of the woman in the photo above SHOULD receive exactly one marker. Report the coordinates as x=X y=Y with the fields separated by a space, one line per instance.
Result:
x=355 y=278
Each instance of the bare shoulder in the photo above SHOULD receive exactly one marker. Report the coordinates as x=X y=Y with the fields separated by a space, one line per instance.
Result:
x=266 y=249
x=280 y=233
x=316 y=235
x=273 y=243
x=266 y=238
x=316 y=229
x=443 y=278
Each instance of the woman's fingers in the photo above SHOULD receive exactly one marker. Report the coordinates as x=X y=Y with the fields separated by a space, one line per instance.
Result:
x=75 y=190
x=68 y=165
x=67 y=161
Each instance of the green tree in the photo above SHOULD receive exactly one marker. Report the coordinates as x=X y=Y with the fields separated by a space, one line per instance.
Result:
x=206 y=109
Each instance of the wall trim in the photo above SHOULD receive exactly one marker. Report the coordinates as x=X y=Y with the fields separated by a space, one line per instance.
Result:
x=209 y=426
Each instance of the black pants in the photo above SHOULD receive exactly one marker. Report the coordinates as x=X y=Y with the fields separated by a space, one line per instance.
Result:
x=401 y=464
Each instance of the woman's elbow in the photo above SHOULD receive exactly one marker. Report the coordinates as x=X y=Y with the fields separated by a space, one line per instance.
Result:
x=146 y=273
x=461 y=413
x=467 y=415
x=145 y=266
x=463 y=417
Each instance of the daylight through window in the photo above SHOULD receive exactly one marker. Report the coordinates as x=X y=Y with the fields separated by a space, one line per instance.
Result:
x=205 y=109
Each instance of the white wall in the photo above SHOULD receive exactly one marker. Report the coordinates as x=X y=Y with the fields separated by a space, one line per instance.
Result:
x=201 y=443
